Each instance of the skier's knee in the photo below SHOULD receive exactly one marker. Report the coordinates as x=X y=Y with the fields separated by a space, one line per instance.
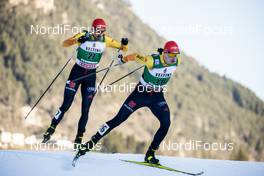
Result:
x=165 y=125
x=85 y=112
x=84 y=118
x=65 y=106
x=114 y=122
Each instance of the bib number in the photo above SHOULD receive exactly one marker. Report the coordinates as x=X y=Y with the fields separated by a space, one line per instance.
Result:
x=160 y=81
x=91 y=56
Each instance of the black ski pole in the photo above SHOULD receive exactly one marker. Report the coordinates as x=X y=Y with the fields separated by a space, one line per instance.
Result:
x=125 y=76
x=85 y=76
x=108 y=68
x=50 y=85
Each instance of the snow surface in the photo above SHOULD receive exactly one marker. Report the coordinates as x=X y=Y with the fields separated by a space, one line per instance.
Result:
x=26 y=163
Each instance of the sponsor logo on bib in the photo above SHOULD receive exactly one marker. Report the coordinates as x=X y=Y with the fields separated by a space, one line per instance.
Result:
x=157 y=62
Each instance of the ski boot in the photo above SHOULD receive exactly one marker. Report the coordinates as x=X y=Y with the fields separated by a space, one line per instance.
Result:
x=78 y=141
x=48 y=133
x=86 y=147
x=150 y=157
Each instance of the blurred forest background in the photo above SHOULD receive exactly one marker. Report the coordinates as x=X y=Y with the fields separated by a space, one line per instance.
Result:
x=204 y=106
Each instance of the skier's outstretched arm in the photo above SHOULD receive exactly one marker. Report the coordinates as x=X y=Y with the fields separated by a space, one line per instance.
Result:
x=146 y=60
x=110 y=42
x=72 y=40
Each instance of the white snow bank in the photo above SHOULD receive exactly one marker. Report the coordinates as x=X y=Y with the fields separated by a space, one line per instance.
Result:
x=26 y=163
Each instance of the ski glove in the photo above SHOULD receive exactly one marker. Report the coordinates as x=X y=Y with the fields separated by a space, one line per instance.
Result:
x=160 y=50
x=84 y=38
x=124 y=41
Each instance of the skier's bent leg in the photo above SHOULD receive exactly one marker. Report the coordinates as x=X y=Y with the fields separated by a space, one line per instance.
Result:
x=87 y=98
x=161 y=111
x=69 y=93
x=122 y=116
x=131 y=104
